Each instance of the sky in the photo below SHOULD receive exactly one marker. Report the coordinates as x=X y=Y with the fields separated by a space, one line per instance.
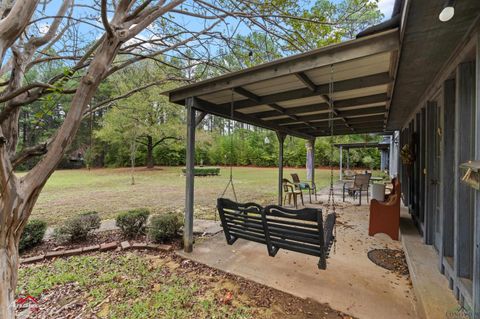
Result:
x=386 y=6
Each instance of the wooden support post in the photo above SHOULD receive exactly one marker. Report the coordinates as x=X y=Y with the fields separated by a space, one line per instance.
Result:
x=432 y=178
x=189 y=173
x=281 y=142
x=199 y=118
x=341 y=164
x=313 y=162
x=447 y=172
x=348 y=159
x=422 y=163
x=464 y=119
x=476 y=252
x=310 y=160
x=417 y=168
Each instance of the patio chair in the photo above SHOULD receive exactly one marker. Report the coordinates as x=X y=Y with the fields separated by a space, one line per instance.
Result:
x=361 y=183
x=289 y=190
x=348 y=175
x=304 y=186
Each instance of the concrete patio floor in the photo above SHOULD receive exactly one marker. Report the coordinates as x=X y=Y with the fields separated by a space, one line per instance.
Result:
x=351 y=283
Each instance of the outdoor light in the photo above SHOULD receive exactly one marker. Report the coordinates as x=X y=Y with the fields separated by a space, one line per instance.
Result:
x=267 y=140
x=448 y=11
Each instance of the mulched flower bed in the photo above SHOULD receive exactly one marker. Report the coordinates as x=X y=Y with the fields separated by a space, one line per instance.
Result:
x=71 y=300
x=94 y=239
x=391 y=259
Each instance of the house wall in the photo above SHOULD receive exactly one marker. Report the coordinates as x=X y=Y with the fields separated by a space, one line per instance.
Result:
x=443 y=132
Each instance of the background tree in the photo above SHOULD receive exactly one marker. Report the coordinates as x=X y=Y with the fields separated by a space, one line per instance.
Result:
x=146 y=117
x=340 y=20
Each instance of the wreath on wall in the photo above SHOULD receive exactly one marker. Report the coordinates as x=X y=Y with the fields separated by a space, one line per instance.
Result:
x=407 y=155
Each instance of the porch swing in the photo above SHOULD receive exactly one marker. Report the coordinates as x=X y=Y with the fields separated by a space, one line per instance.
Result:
x=304 y=230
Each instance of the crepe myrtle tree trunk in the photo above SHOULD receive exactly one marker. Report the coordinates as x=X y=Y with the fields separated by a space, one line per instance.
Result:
x=9 y=261
x=17 y=201
x=19 y=194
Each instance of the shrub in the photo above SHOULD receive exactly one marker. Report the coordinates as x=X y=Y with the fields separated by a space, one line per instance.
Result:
x=32 y=234
x=164 y=227
x=204 y=171
x=77 y=228
x=132 y=223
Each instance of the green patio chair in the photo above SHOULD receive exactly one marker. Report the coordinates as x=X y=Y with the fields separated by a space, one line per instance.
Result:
x=310 y=187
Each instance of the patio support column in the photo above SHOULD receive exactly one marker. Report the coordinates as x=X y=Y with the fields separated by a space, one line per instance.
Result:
x=341 y=159
x=382 y=160
x=281 y=142
x=189 y=173
x=311 y=160
x=348 y=159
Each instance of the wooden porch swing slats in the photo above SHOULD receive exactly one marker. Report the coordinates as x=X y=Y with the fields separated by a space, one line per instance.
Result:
x=302 y=231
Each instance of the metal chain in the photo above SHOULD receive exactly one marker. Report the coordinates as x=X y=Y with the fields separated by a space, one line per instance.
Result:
x=230 y=180
x=331 y=194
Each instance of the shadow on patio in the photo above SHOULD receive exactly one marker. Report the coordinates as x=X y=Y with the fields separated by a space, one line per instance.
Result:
x=351 y=283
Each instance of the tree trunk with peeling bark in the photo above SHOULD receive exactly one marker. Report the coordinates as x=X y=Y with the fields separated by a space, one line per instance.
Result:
x=9 y=262
x=21 y=194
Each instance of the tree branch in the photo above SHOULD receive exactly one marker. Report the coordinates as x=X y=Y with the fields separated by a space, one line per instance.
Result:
x=27 y=153
x=163 y=139
x=12 y=26
x=106 y=24
x=109 y=102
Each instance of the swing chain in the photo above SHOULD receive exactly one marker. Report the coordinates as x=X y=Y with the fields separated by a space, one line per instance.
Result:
x=331 y=194
x=230 y=180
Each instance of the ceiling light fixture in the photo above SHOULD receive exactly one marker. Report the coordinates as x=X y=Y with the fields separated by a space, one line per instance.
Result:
x=448 y=11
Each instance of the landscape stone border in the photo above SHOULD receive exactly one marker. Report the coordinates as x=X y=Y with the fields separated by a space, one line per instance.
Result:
x=124 y=245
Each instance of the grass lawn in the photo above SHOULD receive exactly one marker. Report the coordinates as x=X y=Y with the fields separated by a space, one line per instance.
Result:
x=146 y=285
x=108 y=191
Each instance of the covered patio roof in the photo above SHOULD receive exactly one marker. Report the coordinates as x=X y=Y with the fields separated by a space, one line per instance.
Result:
x=291 y=95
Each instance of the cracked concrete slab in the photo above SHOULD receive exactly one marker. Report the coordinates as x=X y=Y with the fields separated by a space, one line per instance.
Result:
x=351 y=284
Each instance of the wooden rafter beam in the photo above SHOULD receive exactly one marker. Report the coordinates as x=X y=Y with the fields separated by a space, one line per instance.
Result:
x=307 y=81
x=378 y=129
x=257 y=99
x=225 y=112
x=341 y=127
x=253 y=97
x=324 y=116
x=313 y=87
x=340 y=86
x=359 y=101
x=355 y=122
